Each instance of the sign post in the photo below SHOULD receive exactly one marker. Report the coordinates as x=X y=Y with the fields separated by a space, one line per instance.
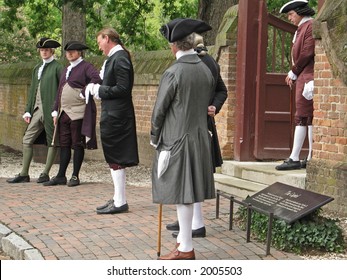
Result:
x=276 y=201
x=287 y=202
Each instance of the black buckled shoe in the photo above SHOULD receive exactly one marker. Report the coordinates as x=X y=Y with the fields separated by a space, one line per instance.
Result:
x=289 y=164
x=174 y=226
x=56 y=181
x=73 y=182
x=196 y=233
x=111 y=209
x=43 y=178
x=304 y=163
x=105 y=205
x=19 y=179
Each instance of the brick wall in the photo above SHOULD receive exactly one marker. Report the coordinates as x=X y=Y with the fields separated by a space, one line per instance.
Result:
x=149 y=66
x=225 y=120
x=327 y=171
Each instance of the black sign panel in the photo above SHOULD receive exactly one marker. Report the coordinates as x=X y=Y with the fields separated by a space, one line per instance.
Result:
x=287 y=202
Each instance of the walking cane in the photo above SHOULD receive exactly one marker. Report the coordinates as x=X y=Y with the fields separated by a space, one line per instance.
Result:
x=54 y=134
x=291 y=100
x=160 y=213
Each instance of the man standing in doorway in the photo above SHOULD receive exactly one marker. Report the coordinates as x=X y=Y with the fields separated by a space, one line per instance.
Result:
x=301 y=76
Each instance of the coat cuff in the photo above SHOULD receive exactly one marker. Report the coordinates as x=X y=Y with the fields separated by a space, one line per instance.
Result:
x=292 y=76
x=26 y=115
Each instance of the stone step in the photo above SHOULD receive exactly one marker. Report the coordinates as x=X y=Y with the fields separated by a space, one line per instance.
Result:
x=239 y=188
x=264 y=173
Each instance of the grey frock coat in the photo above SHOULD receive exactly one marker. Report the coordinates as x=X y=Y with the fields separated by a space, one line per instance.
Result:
x=179 y=125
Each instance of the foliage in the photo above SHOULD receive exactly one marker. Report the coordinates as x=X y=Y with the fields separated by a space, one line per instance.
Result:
x=278 y=58
x=137 y=21
x=274 y=6
x=313 y=232
x=278 y=55
x=17 y=46
x=136 y=24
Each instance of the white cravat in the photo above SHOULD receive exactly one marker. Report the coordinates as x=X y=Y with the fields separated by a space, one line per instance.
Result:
x=112 y=51
x=45 y=61
x=72 y=65
x=180 y=53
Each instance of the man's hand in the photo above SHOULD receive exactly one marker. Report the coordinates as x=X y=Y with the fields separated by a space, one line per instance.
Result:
x=211 y=110
x=54 y=115
x=153 y=145
x=289 y=82
x=27 y=117
x=290 y=79
x=95 y=91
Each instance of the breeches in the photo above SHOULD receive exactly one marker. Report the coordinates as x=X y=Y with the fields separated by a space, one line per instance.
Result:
x=303 y=121
x=70 y=132
x=34 y=128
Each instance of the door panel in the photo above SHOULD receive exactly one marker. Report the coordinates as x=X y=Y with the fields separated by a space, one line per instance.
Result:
x=274 y=100
x=274 y=128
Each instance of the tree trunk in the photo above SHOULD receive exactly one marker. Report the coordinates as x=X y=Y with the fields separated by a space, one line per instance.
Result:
x=212 y=11
x=74 y=24
x=320 y=4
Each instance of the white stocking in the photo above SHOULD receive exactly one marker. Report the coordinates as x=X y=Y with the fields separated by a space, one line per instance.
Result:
x=310 y=142
x=198 y=219
x=118 y=177
x=185 y=217
x=299 y=138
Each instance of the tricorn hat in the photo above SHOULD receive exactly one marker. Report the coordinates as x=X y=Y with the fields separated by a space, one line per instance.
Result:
x=75 y=45
x=47 y=43
x=179 y=28
x=299 y=6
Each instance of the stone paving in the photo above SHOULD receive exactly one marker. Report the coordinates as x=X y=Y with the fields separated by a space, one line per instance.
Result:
x=61 y=223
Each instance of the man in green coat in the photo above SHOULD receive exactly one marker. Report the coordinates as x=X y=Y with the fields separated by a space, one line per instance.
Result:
x=42 y=93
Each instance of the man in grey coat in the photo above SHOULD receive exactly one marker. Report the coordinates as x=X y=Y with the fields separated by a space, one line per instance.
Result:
x=182 y=169
x=218 y=97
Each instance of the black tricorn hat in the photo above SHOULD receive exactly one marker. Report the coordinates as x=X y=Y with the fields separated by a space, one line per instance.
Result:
x=75 y=45
x=292 y=5
x=47 y=43
x=179 y=28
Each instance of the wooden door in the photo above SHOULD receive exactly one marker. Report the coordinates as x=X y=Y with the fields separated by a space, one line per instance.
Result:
x=274 y=100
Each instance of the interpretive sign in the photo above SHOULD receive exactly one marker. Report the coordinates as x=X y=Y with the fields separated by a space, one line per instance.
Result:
x=287 y=202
